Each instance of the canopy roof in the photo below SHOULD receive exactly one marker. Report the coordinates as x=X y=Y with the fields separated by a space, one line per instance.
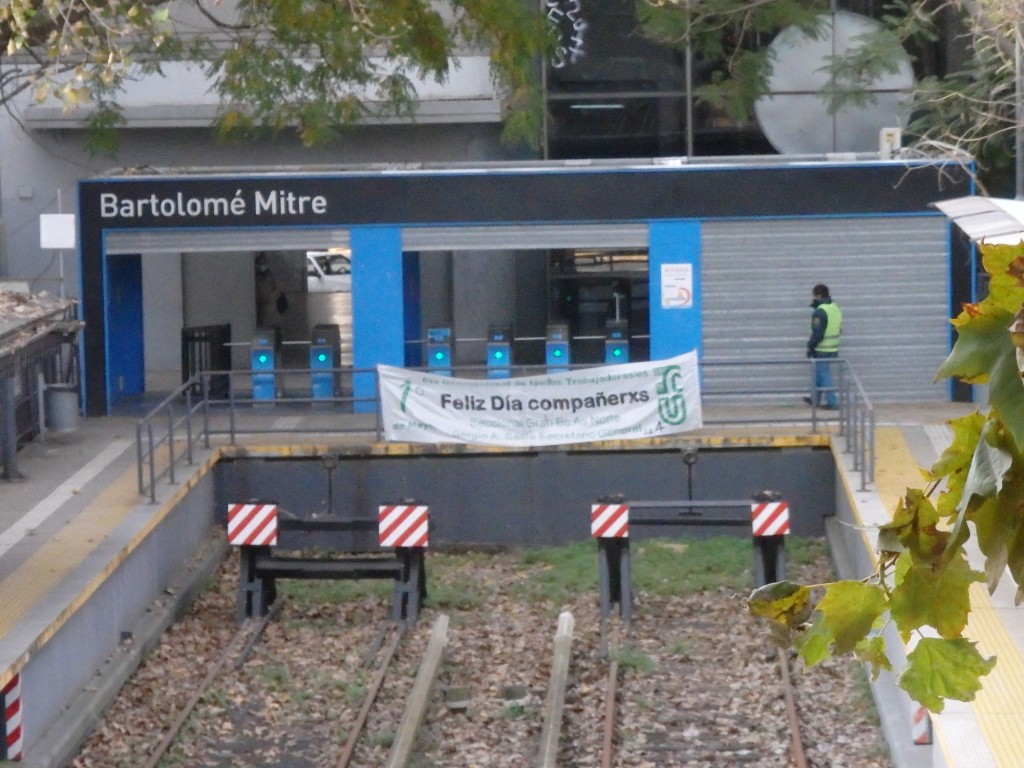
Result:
x=987 y=219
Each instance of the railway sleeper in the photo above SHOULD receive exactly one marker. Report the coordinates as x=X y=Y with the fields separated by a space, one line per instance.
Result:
x=260 y=569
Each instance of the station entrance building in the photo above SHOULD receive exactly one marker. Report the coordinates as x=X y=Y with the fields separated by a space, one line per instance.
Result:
x=714 y=256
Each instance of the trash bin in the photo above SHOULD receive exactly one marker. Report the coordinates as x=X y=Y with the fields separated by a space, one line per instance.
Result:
x=62 y=407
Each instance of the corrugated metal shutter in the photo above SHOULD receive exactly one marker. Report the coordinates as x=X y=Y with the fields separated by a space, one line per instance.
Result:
x=507 y=237
x=889 y=275
x=524 y=237
x=210 y=240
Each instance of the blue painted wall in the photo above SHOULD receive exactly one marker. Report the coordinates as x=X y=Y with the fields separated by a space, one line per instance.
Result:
x=123 y=310
x=378 y=306
x=675 y=320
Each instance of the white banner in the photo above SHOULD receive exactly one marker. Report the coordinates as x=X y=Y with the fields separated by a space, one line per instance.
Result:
x=615 y=402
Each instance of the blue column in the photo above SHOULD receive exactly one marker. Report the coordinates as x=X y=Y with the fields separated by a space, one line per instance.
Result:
x=378 y=306
x=675 y=314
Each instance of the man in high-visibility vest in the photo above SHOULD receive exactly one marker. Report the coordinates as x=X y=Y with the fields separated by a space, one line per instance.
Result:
x=826 y=324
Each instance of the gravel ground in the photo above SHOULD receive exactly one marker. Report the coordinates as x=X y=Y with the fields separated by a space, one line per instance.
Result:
x=698 y=685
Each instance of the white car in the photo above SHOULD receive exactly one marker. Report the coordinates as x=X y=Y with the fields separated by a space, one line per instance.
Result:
x=328 y=272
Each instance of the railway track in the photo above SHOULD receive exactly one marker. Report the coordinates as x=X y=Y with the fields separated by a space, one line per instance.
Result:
x=704 y=722
x=329 y=682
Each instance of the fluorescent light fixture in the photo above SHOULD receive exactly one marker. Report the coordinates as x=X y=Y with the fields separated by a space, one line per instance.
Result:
x=597 y=106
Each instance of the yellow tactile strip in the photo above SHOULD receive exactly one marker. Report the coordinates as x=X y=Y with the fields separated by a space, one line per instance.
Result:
x=999 y=706
x=66 y=550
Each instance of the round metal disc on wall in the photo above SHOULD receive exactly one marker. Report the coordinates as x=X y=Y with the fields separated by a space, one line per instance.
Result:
x=794 y=114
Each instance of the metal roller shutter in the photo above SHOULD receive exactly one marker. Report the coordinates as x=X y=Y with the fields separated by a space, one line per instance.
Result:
x=524 y=237
x=210 y=240
x=470 y=238
x=890 y=276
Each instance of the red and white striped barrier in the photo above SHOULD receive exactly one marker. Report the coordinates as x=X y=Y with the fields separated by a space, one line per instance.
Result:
x=770 y=518
x=403 y=525
x=921 y=725
x=10 y=700
x=252 y=525
x=609 y=521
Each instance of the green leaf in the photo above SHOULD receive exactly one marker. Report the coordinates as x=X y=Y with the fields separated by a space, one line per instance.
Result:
x=940 y=669
x=844 y=616
x=955 y=461
x=989 y=466
x=871 y=650
x=926 y=596
x=993 y=527
x=982 y=339
x=815 y=643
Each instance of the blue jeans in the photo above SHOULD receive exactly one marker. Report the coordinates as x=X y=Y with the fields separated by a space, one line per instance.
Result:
x=824 y=387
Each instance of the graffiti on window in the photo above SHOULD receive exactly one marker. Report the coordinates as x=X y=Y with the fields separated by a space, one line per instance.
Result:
x=567 y=18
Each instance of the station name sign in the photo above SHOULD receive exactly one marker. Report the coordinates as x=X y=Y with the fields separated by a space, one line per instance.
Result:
x=181 y=205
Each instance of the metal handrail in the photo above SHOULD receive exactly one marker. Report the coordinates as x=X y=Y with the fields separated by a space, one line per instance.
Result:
x=168 y=435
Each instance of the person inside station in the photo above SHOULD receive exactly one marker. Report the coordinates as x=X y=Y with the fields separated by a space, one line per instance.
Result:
x=271 y=302
x=823 y=344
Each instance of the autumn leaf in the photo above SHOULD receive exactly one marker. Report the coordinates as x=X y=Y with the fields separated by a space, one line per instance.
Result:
x=914 y=529
x=844 y=615
x=955 y=462
x=940 y=669
x=984 y=350
x=925 y=596
x=783 y=602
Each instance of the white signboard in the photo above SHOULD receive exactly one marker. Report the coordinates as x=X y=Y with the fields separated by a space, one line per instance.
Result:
x=615 y=402
x=676 y=286
x=57 y=231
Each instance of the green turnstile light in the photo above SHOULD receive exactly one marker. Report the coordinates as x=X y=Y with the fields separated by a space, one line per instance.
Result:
x=262 y=358
x=322 y=357
x=498 y=355
x=439 y=355
x=617 y=352
x=556 y=352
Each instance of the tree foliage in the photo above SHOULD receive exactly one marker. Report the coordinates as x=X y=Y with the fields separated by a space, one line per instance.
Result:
x=310 y=66
x=922 y=581
x=277 y=64
x=969 y=109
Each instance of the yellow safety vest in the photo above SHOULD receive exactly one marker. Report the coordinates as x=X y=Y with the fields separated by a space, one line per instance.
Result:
x=830 y=343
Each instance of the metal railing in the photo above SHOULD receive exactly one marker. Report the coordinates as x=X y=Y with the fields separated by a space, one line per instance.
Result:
x=738 y=394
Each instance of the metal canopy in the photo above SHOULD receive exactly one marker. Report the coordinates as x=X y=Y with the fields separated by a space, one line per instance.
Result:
x=990 y=219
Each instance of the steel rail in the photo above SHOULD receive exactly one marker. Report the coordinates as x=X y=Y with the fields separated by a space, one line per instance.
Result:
x=212 y=672
x=371 y=697
x=796 y=744
x=610 y=710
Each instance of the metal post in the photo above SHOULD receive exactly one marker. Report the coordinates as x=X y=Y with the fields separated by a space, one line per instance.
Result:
x=625 y=585
x=1018 y=61
x=603 y=579
x=206 y=409
x=152 y=463
x=9 y=430
x=769 y=563
x=170 y=444
x=188 y=426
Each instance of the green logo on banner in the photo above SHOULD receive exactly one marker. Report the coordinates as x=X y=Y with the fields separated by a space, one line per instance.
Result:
x=671 y=400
